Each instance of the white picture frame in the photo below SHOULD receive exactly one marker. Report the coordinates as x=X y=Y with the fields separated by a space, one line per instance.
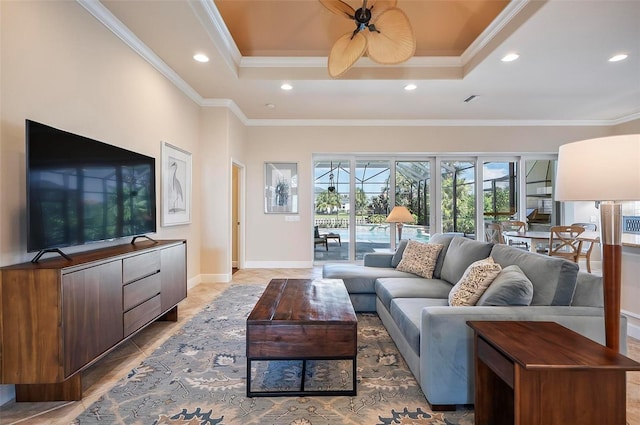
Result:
x=280 y=188
x=176 y=185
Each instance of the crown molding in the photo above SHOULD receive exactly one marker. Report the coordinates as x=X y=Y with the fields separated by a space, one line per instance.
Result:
x=506 y=16
x=229 y=104
x=424 y=123
x=209 y=16
x=102 y=14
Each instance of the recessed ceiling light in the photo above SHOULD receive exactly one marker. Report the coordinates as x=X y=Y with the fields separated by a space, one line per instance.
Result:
x=510 y=57
x=410 y=87
x=618 y=57
x=270 y=105
x=200 y=57
x=286 y=86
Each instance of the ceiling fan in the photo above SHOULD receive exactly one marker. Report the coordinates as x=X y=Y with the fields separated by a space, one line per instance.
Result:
x=382 y=30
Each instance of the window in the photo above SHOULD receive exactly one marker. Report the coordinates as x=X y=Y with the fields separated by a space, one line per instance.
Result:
x=458 y=197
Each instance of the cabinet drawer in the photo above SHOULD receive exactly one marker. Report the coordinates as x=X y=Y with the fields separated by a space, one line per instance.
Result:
x=135 y=318
x=140 y=265
x=141 y=290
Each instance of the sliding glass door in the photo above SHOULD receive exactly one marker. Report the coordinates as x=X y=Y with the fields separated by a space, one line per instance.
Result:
x=413 y=190
x=371 y=200
x=331 y=208
x=354 y=194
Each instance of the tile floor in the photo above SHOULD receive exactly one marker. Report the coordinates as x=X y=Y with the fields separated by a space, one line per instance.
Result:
x=99 y=378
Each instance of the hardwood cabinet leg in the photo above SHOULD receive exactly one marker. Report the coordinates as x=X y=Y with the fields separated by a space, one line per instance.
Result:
x=68 y=390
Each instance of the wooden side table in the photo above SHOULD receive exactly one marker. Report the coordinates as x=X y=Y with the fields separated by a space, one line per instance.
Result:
x=544 y=374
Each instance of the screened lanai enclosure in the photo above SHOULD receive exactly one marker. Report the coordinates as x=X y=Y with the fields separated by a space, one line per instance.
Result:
x=353 y=197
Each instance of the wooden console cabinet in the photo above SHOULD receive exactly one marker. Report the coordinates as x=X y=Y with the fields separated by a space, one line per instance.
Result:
x=59 y=316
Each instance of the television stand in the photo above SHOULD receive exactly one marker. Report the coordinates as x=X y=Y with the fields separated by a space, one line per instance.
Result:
x=133 y=241
x=44 y=251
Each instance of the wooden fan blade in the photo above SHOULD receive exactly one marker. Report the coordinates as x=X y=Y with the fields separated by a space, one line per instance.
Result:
x=380 y=6
x=339 y=8
x=345 y=52
x=395 y=42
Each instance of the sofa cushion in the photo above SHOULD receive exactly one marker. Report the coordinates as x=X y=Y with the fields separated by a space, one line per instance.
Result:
x=407 y=314
x=443 y=239
x=397 y=256
x=510 y=287
x=461 y=253
x=588 y=291
x=359 y=279
x=475 y=280
x=419 y=258
x=389 y=288
x=553 y=278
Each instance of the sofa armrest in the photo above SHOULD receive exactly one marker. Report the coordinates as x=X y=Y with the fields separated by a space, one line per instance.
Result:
x=378 y=259
x=446 y=342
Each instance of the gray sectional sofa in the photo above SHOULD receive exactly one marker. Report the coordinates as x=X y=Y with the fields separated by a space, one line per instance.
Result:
x=434 y=338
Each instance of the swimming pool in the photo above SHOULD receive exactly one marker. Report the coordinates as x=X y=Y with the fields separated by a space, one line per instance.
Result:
x=379 y=233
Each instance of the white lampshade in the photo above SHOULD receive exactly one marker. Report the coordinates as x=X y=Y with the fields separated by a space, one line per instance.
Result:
x=602 y=169
x=399 y=214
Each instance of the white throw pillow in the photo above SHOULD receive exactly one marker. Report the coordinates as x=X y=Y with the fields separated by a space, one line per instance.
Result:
x=475 y=280
x=420 y=258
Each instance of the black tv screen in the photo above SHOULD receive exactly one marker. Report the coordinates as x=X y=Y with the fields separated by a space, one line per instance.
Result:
x=81 y=190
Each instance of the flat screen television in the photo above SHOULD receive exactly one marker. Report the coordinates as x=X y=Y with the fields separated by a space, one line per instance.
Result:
x=80 y=190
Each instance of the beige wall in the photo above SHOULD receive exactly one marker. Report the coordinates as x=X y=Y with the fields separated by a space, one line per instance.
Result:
x=61 y=67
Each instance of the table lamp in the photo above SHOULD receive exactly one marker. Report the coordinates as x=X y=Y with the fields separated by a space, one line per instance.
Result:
x=399 y=215
x=605 y=169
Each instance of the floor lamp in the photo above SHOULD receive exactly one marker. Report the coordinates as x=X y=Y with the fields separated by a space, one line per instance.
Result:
x=606 y=169
x=399 y=215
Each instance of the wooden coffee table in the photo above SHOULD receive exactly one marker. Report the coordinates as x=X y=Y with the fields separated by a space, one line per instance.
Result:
x=302 y=319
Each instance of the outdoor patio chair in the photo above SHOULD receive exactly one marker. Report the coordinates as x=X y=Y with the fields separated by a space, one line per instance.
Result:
x=318 y=239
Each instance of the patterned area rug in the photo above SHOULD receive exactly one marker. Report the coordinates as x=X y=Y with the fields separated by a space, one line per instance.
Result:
x=198 y=377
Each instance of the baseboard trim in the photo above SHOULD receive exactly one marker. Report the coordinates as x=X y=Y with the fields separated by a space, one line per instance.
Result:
x=633 y=330
x=278 y=264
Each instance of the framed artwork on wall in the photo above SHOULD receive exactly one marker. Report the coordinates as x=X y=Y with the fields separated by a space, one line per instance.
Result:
x=281 y=188
x=176 y=185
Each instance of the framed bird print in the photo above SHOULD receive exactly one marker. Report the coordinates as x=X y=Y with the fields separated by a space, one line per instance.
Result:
x=176 y=185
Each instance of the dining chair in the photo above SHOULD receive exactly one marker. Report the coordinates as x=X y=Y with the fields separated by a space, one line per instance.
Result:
x=587 y=246
x=564 y=242
x=515 y=226
x=493 y=233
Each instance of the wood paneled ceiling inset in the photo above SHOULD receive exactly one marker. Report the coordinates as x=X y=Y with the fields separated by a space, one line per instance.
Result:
x=287 y=28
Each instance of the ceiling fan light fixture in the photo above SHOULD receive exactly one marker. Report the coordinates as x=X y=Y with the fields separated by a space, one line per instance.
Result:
x=382 y=31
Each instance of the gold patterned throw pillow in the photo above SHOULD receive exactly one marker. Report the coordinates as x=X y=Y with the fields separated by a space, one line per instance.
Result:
x=420 y=258
x=475 y=280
